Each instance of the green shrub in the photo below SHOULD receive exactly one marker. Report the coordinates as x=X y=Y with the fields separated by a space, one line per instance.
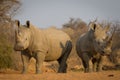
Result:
x=5 y=53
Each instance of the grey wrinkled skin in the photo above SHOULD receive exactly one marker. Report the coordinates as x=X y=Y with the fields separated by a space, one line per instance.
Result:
x=43 y=45
x=92 y=45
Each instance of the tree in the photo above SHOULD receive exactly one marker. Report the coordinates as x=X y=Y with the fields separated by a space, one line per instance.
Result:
x=75 y=24
x=8 y=8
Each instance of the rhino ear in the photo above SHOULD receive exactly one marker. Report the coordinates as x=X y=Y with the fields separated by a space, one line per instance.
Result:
x=28 y=23
x=17 y=22
x=93 y=26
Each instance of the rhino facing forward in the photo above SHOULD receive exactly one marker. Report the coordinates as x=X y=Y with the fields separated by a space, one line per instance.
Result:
x=43 y=45
x=92 y=45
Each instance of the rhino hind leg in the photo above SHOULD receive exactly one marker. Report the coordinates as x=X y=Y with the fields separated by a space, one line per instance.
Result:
x=62 y=60
x=62 y=67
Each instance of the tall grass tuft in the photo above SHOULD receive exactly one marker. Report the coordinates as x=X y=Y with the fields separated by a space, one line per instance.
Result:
x=5 y=53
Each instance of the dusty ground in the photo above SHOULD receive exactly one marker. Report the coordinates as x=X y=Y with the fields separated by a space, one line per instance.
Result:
x=105 y=75
x=50 y=73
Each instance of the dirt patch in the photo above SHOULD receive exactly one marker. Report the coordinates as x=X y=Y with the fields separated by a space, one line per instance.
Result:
x=75 y=72
x=50 y=73
x=105 y=75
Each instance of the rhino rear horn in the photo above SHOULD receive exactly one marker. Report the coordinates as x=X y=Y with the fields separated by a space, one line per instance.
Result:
x=95 y=20
x=28 y=23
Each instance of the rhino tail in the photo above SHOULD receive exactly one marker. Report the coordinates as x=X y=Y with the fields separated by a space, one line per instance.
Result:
x=64 y=57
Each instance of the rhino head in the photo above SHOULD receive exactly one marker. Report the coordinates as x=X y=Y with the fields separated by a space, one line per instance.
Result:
x=101 y=38
x=22 y=36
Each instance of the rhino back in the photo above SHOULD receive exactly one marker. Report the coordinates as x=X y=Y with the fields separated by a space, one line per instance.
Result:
x=38 y=41
x=56 y=42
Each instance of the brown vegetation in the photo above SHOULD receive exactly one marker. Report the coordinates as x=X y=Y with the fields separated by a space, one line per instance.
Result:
x=7 y=10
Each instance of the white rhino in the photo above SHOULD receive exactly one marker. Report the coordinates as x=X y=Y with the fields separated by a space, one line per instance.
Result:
x=43 y=45
x=92 y=45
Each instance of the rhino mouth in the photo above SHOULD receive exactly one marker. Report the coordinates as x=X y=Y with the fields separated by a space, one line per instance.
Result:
x=18 y=48
x=102 y=52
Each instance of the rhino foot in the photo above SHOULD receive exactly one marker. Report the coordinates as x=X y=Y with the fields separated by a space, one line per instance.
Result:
x=23 y=72
x=87 y=70
x=38 y=72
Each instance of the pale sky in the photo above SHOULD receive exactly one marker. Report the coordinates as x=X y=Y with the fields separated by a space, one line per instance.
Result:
x=45 y=13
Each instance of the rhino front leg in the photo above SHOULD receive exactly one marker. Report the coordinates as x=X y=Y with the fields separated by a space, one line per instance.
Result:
x=85 y=60
x=40 y=57
x=25 y=61
x=100 y=63
x=95 y=64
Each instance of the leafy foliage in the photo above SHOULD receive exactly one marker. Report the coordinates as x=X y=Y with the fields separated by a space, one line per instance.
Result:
x=5 y=52
x=7 y=11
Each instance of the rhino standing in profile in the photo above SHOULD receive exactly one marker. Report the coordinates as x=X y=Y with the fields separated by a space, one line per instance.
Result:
x=92 y=45
x=43 y=45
